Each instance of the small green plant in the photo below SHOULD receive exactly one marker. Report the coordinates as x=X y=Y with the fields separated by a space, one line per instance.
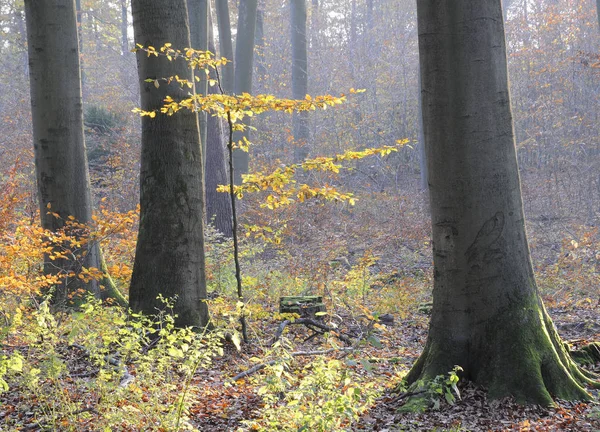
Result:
x=324 y=396
x=444 y=387
x=430 y=394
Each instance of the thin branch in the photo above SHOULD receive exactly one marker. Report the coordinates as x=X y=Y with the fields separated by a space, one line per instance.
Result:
x=261 y=366
x=310 y=323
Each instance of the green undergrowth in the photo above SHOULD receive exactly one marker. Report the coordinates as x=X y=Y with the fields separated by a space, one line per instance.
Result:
x=100 y=368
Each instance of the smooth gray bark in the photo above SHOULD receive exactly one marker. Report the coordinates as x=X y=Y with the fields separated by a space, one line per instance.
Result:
x=487 y=315
x=169 y=257
x=60 y=157
x=299 y=77
x=244 y=65
x=225 y=45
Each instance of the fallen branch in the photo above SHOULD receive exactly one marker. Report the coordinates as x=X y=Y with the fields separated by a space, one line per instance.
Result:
x=313 y=325
x=261 y=366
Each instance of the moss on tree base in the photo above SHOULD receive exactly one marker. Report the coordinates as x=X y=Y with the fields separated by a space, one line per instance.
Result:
x=528 y=362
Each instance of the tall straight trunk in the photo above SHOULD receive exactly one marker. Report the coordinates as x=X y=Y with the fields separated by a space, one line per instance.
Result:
x=218 y=205
x=422 y=155
x=299 y=76
x=60 y=157
x=198 y=11
x=79 y=16
x=488 y=316
x=124 y=38
x=244 y=64
x=225 y=45
x=169 y=258
x=259 y=50
x=314 y=25
x=598 y=12
x=505 y=5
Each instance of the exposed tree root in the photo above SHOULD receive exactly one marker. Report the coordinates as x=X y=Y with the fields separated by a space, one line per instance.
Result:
x=530 y=363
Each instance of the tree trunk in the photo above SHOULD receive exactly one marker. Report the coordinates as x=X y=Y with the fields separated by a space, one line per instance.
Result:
x=487 y=316
x=60 y=157
x=225 y=45
x=124 y=38
x=422 y=155
x=244 y=64
x=169 y=259
x=259 y=51
x=299 y=77
x=505 y=5
x=198 y=11
x=598 y=12
x=218 y=204
x=79 y=16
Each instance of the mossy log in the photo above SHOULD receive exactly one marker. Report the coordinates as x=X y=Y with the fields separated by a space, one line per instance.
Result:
x=305 y=306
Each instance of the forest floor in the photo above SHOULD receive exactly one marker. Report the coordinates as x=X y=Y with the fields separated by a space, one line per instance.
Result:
x=227 y=407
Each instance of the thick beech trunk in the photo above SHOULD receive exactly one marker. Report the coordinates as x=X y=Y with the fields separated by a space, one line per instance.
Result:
x=169 y=257
x=59 y=147
x=487 y=313
x=244 y=65
x=299 y=77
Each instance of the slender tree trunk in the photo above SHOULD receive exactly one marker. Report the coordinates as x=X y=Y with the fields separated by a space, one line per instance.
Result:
x=488 y=316
x=422 y=154
x=169 y=259
x=124 y=38
x=299 y=76
x=244 y=64
x=225 y=45
x=198 y=11
x=505 y=5
x=598 y=12
x=259 y=50
x=314 y=25
x=59 y=146
x=218 y=204
x=80 y=45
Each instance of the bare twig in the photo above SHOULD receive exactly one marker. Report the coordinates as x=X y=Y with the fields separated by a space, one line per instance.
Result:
x=311 y=324
x=261 y=366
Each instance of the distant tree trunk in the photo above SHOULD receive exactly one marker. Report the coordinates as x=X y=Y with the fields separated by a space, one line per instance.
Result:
x=124 y=38
x=598 y=12
x=488 y=316
x=314 y=25
x=259 y=50
x=169 y=258
x=218 y=204
x=225 y=45
x=60 y=158
x=244 y=64
x=198 y=11
x=422 y=154
x=505 y=5
x=80 y=45
x=299 y=77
